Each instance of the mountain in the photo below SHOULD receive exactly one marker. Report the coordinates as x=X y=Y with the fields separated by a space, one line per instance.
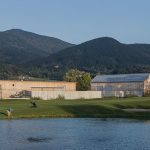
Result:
x=25 y=53
x=19 y=47
x=102 y=55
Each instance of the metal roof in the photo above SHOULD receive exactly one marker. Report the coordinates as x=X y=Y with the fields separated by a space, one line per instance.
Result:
x=121 y=78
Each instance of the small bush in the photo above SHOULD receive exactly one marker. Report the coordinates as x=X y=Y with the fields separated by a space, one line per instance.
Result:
x=110 y=97
x=130 y=95
x=146 y=94
x=36 y=98
x=81 y=98
x=60 y=97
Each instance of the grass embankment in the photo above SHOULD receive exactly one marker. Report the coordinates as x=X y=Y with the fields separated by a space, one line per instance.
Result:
x=110 y=107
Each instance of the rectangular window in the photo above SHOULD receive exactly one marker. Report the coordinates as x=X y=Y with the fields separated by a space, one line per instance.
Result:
x=99 y=88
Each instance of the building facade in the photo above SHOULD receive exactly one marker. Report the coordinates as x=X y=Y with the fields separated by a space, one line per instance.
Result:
x=122 y=85
x=18 y=89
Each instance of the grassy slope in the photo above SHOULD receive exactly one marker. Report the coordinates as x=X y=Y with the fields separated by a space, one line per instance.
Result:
x=110 y=107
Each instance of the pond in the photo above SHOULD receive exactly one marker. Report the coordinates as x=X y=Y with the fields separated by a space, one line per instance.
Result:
x=74 y=134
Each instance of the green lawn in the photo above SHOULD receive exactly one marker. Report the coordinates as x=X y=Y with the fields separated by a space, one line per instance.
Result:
x=108 y=107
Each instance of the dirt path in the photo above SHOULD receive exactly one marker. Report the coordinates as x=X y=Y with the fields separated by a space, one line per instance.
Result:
x=136 y=110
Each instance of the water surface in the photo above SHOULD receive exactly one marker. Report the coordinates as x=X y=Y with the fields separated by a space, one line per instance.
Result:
x=74 y=134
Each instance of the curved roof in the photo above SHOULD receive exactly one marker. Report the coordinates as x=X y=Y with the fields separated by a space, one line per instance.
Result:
x=121 y=78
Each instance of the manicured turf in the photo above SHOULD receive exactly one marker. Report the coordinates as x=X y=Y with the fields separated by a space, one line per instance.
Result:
x=109 y=107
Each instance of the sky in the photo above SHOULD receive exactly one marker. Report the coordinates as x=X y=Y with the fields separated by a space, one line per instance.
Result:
x=77 y=21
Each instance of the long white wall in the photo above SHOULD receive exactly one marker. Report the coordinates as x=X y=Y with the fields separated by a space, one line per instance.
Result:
x=47 y=95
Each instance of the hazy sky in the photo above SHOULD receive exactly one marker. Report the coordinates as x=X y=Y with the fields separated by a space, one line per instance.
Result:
x=77 y=21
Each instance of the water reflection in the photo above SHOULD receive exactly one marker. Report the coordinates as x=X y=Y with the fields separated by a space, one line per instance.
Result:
x=39 y=139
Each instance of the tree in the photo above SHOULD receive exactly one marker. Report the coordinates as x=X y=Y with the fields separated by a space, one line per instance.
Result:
x=83 y=79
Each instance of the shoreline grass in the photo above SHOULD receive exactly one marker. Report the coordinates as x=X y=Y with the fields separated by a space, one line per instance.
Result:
x=96 y=108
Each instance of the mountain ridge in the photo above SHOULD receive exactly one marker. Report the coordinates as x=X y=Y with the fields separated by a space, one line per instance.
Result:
x=17 y=46
x=105 y=55
x=27 y=53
